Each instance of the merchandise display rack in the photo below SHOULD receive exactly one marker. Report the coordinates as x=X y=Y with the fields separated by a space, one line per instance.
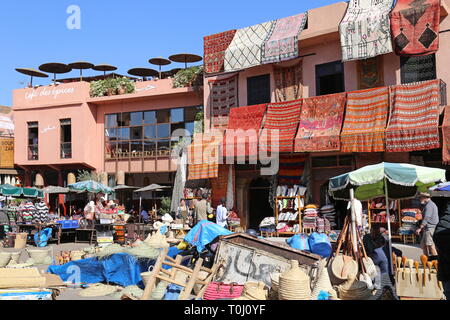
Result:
x=299 y=211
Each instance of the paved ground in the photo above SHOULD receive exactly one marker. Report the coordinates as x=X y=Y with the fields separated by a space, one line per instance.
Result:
x=411 y=251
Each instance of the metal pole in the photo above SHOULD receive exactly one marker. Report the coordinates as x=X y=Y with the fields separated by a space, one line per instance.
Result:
x=388 y=216
x=353 y=225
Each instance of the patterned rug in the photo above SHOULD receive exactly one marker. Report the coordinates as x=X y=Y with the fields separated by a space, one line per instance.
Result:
x=446 y=136
x=415 y=26
x=321 y=123
x=414 y=121
x=282 y=40
x=291 y=169
x=365 y=120
x=365 y=30
x=416 y=69
x=203 y=158
x=224 y=96
x=219 y=185
x=245 y=49
x=282 y=116
x=370 y=73
x=244 y=118
x=214 y=50
x=288 y=82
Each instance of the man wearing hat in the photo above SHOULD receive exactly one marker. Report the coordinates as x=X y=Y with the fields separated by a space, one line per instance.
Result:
x=429 y=221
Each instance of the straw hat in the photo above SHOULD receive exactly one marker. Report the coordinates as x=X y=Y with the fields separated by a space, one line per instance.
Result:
x=353 y=289
x=323 y=282
x=336 y=268
x=98 y=290
x=294 y=284
x=254 y=291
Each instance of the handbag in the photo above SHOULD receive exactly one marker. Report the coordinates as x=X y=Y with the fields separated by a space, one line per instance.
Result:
x=220 y=290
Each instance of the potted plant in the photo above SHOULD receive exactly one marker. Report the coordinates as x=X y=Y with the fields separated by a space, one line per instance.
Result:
x=190 y=77
x=125 y=85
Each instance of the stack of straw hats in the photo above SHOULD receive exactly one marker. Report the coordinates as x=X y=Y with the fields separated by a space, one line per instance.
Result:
x=254 y=291
x=294 y=284
x=353 y=289
x=157 y=240
x=323 y=282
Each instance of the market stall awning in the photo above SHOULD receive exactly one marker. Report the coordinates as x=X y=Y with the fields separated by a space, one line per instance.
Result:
x=56 y=190
x=121 y=187
x=13 y=191
x=152 y=187
x=403 y=180
x=90 y=186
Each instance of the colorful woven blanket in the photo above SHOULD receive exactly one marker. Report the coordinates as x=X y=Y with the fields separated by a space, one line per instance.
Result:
x=282 y=41
x=291 y=169
x=365 y=30
x=288 y=82
x=415 y=26
x=224 y=96
x=370 y=73
x=414 y=118
x=446 y=136
x=321 y=123
x=203 y=157
x=365 y=120
x=238 y=143
x=214 y=50
x=284 y=117
x=245 y=49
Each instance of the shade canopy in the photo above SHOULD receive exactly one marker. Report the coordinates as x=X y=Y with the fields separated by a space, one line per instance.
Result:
x=440 y=190
x=159 y=61
x=13 y=191
x=81 y=65
x=185 y=58
x=124 y=187
x=104 y=67
x=143 y=72
x=90 y=186
x=32 y=72
x=56 y=190
x=55 y=67
x=152 y=187
x=403 y=181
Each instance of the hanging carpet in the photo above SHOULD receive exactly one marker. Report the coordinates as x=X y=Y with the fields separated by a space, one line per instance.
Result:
x=320 y=123
x=282 y=41
x=288 y=82
x=446 y=136
x=415 y=27
x=224 y=96
x=214 y=50
x=291 y=169
x=365 y=120
x=414 y=121
x=370 y=73
x=365 y=30
x=203 y=157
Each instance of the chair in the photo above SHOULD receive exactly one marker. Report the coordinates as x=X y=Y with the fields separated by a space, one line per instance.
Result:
x=409 y=238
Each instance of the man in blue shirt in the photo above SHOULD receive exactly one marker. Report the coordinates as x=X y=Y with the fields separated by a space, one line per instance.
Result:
x=144 y=215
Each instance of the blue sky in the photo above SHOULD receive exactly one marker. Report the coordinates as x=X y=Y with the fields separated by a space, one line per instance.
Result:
x=123 y=33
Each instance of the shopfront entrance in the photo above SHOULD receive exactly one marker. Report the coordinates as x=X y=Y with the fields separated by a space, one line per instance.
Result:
x=259 y=206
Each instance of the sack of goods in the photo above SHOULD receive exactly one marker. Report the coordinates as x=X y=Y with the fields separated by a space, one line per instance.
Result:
x=320 y=244
x=299 y=241
x=294 y=284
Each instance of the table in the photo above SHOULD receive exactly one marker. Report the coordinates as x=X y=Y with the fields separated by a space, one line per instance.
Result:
x=21 y=227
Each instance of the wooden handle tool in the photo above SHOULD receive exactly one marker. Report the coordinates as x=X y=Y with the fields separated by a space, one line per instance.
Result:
x=416 y=265
x=410 y=265
x=399 y=263
x=429 y=266
x=404 y=261
x=424 y=260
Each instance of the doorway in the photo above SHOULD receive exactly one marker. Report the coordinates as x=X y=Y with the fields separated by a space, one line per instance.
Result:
x=259 y=206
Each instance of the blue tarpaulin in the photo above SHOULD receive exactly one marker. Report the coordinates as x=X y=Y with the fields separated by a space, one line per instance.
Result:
x=121 y=268
x=204 y=233
x=41 y=238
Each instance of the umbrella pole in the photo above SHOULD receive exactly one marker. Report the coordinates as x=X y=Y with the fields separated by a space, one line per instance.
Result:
x=388 y=216
x=353 y=215
x=140 y=204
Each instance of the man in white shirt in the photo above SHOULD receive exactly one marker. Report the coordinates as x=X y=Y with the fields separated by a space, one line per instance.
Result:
x=222 y=214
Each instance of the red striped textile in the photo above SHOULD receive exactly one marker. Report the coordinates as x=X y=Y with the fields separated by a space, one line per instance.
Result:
x=414 y=118
x=249 y=119
x=446 y=136
x=224 y=97
x=282 y=116
x=365 y=120
x=203 y=157
x=415 y=27
x=320 y=123
x=214 y=50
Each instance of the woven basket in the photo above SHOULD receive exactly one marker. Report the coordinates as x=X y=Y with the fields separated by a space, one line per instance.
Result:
x=353 y=289
x=323 y=282
x=294 y=284
x=255 y=291
x=38 y=255
x=5 y=257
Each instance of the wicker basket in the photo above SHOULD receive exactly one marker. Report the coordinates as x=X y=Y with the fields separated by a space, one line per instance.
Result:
x=38 y=255
x=336 y=269
x=5 y=257
x=353 y=289
x=294 y=284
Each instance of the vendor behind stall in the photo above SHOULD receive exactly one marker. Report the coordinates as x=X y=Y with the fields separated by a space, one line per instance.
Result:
x=430 y=220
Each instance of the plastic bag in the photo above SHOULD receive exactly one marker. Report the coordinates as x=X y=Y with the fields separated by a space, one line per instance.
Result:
x=320 y=244
x=299 y=241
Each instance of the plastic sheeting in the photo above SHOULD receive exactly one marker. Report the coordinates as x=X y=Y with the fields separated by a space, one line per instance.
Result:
x=204 y=233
